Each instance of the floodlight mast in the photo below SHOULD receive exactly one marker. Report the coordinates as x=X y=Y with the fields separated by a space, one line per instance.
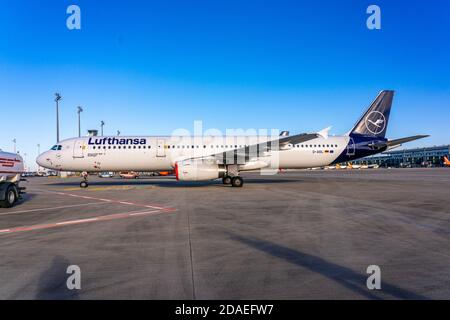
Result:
x=79 y=111
x=57 y=99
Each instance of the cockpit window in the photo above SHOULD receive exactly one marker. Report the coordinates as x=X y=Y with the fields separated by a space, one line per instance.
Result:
x=56 y=147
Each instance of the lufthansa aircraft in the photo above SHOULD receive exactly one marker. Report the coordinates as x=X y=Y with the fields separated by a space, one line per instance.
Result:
x=199 y=158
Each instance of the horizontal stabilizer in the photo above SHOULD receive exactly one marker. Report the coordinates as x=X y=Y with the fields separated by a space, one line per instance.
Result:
x=397 y=142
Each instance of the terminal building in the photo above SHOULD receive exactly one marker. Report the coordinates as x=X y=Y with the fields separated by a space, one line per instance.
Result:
x=417 y=157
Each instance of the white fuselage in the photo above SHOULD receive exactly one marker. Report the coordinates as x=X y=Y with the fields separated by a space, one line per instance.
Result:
x=153 y=153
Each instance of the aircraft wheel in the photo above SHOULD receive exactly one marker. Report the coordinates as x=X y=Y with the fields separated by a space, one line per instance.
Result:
x=11 y=197
x=237 y=181
x=226 y=180
x=83 y=184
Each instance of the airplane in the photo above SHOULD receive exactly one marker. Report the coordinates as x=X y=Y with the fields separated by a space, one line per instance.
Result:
x=201 y=158
x=446 y=162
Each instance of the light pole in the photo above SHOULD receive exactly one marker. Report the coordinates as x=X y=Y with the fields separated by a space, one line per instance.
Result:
x=14 y=141
x=101 y=125
x=57 y=98
x=79 y=111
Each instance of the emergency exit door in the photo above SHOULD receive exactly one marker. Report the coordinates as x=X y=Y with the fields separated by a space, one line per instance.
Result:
x=160 y=148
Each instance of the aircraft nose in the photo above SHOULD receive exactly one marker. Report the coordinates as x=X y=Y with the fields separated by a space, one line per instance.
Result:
x=42 y=161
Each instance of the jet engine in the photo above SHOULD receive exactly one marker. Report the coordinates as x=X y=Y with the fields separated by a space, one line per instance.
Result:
x=198 y=170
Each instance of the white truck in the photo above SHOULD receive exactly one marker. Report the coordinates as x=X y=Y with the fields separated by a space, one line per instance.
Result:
x=11 y=168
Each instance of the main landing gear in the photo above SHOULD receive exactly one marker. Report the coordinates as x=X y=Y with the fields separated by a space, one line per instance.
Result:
x=226 y=180
x=235 y=181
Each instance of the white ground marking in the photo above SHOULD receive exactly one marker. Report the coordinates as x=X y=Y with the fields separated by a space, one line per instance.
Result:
x=77 y=221
x=51 y=208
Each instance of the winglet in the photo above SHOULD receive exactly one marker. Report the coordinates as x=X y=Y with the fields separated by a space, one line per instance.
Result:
x=324 y=132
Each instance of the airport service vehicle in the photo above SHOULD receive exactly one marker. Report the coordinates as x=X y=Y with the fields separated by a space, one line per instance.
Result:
x=207 y=157
x=165 y=173
x=129 y=175
x=106 y=174
x=353 y=166
x=11 y=168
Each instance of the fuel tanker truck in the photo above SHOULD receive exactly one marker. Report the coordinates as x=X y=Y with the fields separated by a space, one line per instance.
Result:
x=11 y=168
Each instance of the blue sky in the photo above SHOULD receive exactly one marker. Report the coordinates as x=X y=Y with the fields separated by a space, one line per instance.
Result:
x=149 y=67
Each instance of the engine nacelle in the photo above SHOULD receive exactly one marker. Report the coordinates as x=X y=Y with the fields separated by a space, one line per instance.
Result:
x=190 y=170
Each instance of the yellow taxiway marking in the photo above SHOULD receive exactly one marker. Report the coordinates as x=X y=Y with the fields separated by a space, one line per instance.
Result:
x=110 y=188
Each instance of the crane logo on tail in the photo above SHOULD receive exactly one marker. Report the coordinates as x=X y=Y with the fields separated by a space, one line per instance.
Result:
x=375 y=122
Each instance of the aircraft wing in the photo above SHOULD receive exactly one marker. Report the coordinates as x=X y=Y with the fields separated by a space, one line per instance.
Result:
x=295 y=139
x=255 y=150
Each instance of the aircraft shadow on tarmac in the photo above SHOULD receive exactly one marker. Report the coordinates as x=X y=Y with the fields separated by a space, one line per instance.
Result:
x=53 y=282
x=169 y=183
x=342 y=275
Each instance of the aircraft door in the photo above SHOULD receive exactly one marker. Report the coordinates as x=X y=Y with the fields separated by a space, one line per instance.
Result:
x=78 y=149
x=351 y=147
x=160 y=148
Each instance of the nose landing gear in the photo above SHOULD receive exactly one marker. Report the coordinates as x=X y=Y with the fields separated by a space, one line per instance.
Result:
x=84 y=183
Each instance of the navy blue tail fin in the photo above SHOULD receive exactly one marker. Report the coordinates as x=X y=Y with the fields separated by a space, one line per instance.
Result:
x=375 y=119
